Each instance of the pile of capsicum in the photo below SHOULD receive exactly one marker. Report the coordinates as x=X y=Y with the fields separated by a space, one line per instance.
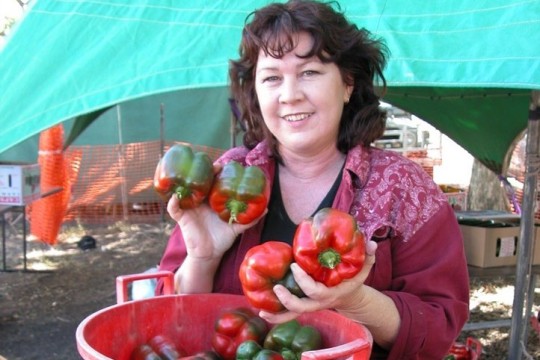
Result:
x=237 y=193
x=329 y=247
x=240 y=334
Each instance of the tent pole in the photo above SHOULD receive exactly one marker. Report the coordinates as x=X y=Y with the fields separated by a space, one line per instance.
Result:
x=161 y=130
x=161 y=150
x=233 y=132
x=518 y=329
x=122 y=163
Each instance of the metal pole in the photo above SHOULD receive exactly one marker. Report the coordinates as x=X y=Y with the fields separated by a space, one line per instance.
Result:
x=161 y=130
x=232 y=130
x=161 y=153
x=526 y=240
x=122 y=162
x=4 y=239
x=24 y=235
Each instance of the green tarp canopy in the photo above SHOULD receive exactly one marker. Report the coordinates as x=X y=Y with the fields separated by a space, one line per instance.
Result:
x=466 y=67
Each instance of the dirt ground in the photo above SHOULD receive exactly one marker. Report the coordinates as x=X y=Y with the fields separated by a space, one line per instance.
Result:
x=41 y=309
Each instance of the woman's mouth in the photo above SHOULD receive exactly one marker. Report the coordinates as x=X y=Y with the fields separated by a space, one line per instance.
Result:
x=296 y=117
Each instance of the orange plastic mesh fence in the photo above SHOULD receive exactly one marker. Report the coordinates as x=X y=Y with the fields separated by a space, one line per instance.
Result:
x=114 y=182
x=46 y=214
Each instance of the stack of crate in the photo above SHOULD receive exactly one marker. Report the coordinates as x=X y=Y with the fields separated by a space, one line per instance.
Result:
x=421 y=157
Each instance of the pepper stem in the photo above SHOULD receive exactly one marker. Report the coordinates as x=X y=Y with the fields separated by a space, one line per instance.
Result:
x=235 y=207
x=182 y=192
x=329 y=258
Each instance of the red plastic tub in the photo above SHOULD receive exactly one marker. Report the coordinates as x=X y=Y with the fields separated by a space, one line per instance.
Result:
x=114 y=332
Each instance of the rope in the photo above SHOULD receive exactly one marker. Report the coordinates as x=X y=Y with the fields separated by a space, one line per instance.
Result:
x=511 y=193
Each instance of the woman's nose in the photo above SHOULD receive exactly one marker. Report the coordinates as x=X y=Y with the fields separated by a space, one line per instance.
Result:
x=290 y=91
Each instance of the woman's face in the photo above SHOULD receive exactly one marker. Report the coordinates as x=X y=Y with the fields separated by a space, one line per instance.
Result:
x=301 y=99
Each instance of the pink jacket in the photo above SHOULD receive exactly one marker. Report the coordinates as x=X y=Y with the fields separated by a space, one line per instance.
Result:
x=420 y=261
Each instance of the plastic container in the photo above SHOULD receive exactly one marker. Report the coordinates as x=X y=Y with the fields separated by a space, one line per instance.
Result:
x=114 y=332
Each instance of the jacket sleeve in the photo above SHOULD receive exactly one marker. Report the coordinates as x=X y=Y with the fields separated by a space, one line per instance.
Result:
x=430 y=287
x=173 y=257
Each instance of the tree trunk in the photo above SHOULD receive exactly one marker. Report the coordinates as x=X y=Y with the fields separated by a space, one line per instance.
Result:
x=486 y=191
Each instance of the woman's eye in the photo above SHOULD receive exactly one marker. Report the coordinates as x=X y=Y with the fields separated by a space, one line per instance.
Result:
x=310 y=72
x=270 y=79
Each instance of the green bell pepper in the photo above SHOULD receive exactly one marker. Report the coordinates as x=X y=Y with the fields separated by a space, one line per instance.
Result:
x=240 y=193
x=252 y=350
x=188 y=174
x=291 y=339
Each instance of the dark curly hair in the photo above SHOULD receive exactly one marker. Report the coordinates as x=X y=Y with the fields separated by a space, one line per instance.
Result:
x=360 y=57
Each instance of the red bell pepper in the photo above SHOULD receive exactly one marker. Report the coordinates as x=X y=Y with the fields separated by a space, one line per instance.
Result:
x=329 y=246
x=264 y=266
x=186 y=173
x=158 y=348
x=233 y=328
x=471 y=350
x=458 y=352
x=144 y=352
x=164 y=348
x=202 y=355
x=239 y=194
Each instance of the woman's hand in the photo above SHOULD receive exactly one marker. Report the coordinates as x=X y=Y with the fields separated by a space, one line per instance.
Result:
x=206 y=236
x=345 y=296
x=351 y=298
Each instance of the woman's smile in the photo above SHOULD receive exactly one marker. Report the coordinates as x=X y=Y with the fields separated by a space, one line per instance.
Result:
x=296 y=117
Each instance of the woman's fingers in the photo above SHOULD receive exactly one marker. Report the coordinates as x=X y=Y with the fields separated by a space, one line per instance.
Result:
x=371 y=247
x=278 y=318
x=173 y=208
x=369 y=261
x=319 y=296
x=217 y=168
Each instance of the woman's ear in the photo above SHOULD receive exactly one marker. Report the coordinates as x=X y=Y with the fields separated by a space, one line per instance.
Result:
x=348 y=92
x=349 y=81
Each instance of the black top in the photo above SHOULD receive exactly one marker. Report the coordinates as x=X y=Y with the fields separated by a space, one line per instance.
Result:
x=278 y=225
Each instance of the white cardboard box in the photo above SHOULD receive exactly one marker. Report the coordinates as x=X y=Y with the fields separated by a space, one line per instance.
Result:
x=494 y=246
x=19 y=183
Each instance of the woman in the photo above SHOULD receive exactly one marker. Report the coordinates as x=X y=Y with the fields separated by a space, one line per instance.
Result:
x=304 y=83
